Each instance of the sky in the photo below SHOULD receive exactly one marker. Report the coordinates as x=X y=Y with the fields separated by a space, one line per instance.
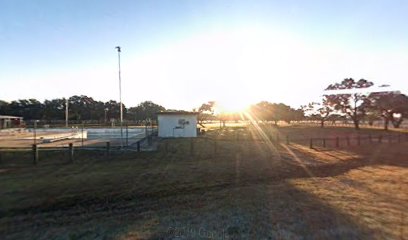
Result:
x=181 y=54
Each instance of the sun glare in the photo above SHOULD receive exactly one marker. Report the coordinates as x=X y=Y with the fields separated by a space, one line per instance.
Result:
x=237 y=106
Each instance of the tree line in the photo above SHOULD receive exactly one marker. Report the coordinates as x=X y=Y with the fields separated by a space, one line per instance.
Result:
x=346 y=100
x=261 y=112
x=80 y=108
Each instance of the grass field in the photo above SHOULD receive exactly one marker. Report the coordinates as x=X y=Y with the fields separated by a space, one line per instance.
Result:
x=244 y=190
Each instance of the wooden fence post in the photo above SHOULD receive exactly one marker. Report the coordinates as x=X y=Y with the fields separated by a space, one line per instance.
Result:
x=138 y=146
x=150 y=140
x=337 y=142
x=82 y=135
x=107 y=149
x=127 y=134
x=71 y=153
x=35 y=154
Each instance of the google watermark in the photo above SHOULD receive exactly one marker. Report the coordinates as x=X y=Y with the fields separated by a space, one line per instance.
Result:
x=193 y=232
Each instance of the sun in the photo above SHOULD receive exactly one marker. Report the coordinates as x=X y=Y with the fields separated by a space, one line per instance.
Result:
x=231 y=106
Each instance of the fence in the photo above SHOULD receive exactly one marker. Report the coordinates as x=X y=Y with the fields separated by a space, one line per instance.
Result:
x=203 y=145
x=84 y=135
x=357 y=141
x=214 y=145
x=379 y=124
x=69 y=152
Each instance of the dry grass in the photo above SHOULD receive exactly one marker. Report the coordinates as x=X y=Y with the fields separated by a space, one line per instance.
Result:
x=247 y=190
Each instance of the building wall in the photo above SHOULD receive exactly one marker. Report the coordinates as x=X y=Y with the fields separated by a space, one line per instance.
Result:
x=6 y=123
x=172 y=125
x=10 y=122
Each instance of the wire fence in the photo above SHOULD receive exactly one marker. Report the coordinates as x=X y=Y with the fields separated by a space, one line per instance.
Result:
x=69 y=153
x=357 y=141
x=378 y=124
x=214 y=145
x=82 y=136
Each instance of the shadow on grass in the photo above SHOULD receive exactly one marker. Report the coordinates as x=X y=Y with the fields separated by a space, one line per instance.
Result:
x=277 y=211
x=274 y=211
x=250 y=198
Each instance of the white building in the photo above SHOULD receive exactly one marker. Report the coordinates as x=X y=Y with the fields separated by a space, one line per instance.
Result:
x=177 y=124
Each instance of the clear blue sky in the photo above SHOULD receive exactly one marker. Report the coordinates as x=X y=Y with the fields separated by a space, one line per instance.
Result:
x=183 y=53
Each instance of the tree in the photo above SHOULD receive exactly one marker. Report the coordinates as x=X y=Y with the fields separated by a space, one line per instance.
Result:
x=54 y=109
x=392 y=107
x=80 y=107
x=4 y=107
x=286 y=113
x=266 y=111
x=112 y=109
x=371 y=116
x=206 y=111
x=297 y=114
x=145 y=111
x=26 y=108
x=349 y=103
x=320 y=111
x=86 y=108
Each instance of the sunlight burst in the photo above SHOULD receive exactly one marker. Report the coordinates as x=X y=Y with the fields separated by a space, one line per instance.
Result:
x=233 y=106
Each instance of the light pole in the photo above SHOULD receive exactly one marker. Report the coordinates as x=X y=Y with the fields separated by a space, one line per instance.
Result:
x=66 y=113
x=120 y=99
x=35 y=132
x=106 y=113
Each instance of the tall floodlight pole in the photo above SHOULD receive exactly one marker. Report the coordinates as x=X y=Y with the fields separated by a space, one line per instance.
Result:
x=120 y=99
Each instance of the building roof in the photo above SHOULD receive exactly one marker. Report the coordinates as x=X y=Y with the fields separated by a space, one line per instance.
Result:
x=177 y=113
x=9 y=117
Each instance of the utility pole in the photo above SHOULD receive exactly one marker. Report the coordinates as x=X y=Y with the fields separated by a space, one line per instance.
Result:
x=35 y=132
x=106 y=113
x=120 y=99
x=66 y=113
